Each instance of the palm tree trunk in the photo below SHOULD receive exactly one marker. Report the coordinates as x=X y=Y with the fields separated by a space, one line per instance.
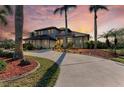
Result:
x=66 y=30
x=115 y=43
x=18 y=31
x=95 y=29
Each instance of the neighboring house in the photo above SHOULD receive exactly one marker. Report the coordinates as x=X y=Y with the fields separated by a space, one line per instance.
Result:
x=48 y=37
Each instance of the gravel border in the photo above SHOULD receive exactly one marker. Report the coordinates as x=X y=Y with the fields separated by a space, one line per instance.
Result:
x=23 y=75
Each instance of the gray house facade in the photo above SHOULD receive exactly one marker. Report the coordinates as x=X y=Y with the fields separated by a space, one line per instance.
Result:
x=50 y=36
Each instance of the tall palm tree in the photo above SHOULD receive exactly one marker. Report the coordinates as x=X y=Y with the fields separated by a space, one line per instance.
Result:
x=64 y=9
x=95 y=8
x=18 y=32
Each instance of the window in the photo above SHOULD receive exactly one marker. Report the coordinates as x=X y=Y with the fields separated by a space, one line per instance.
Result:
x=41 y=32
x=45 y=32
x=69 y=39
x=49 y=31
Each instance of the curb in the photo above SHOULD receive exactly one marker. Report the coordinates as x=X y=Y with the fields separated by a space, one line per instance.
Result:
x=23 y=75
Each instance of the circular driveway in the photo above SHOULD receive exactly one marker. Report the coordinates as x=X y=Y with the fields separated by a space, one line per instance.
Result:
x=84 y=71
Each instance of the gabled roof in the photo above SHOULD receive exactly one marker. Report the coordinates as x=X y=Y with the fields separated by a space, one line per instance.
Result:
x=52 y=27
x=62 y=29
x=40 y=37
x=80 y=34
x=47 y=28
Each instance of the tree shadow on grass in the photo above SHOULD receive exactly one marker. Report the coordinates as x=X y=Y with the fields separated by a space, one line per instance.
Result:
x=49 y=77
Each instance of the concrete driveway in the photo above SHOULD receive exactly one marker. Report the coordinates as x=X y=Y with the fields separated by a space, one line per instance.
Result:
x=84 y=71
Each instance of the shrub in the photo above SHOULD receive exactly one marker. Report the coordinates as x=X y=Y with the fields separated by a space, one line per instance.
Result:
x=3 y=65
x=70 y=45
x=9 y=54
x=90 y=45
x=6 y=54
x=1 y=52
x=28 y=46
x=101 y=45
x=86 y=45
x=7 y=44
x=24 y=62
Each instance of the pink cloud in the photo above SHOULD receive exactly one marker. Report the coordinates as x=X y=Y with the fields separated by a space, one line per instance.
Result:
x=79 y=19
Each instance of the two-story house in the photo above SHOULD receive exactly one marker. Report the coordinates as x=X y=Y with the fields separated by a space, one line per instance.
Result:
x=47 y=37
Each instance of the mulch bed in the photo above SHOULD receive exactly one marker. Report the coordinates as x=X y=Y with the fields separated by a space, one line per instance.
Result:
x=93 y=52
x=14 y=70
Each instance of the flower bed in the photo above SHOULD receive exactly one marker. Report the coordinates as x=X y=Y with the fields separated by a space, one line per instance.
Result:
x=45 y=76
x=93 y=52
x=14 y=70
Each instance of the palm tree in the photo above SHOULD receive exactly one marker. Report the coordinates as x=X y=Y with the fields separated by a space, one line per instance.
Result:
x=95 y=8
x=18 y=32
x=64 y=9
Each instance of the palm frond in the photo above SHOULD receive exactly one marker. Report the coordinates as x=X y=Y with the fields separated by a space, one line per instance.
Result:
x=91 y=8
x=67 y=7
x=112 y=32
x=8 y=9
x=108 y=33
x=57 y=10
x=3 y=20
x=97 y=7
x=63 y=9
x=3 y=12
x=104 y=35
x=102 y=7
x=119 y=32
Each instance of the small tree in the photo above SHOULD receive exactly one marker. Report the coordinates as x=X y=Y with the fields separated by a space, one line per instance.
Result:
x=114 y=33
x=106 y=36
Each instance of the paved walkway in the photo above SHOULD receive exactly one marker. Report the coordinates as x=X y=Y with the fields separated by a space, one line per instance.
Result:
x=84 y=71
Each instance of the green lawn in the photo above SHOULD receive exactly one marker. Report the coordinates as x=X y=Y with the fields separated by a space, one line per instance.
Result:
x=45 y=76
x=119 y=51
x=118 y=59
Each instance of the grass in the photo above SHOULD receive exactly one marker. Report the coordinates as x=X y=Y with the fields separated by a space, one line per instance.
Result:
x=118 y=59
x=119 y=51
x=45 y=76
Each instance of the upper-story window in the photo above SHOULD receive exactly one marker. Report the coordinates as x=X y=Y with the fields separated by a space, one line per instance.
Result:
x=49 y=31
x=54 y=31
x=41 y=32
x=37 y=33
x=45 y=32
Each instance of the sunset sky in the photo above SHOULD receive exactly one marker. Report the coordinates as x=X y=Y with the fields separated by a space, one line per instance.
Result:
x=79 y=19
